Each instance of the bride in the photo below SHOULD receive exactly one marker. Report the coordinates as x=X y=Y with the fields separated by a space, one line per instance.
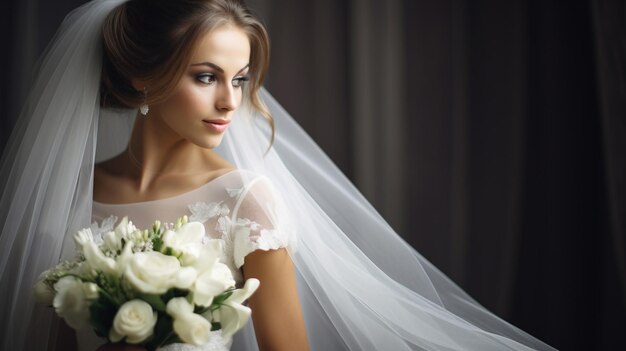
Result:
x=153 y=109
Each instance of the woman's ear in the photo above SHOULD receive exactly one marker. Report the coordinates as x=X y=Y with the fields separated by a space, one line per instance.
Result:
x=138 y=84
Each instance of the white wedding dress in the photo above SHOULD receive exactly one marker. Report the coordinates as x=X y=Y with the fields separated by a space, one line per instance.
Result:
x=235 y=200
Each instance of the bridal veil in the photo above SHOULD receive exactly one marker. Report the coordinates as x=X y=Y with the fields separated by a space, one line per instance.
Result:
x=361 y=286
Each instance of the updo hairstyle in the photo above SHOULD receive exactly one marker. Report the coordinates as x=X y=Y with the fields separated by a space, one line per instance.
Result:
x=153 y=40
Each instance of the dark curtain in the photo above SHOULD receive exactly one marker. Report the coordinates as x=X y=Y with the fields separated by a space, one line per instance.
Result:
x=610 y=38
x=491 y=134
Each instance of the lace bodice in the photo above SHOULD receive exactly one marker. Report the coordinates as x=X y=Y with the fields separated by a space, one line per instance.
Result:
x=239 y=207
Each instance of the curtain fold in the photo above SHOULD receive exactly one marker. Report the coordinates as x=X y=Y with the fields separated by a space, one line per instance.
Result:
x=610 y=26
x=609 y=19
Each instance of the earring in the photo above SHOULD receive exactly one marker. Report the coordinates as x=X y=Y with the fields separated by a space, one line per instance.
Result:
x=144 y=109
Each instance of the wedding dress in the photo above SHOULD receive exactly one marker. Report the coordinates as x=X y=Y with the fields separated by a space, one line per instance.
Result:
x=235 y=200
x=360 y=285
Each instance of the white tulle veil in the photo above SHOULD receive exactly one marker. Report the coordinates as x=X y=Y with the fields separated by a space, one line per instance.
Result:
x=361 y=286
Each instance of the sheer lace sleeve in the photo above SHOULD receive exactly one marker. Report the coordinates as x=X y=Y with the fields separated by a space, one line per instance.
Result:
x=259 y=221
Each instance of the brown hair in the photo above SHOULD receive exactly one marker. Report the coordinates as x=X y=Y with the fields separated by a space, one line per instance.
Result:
x=153 y=40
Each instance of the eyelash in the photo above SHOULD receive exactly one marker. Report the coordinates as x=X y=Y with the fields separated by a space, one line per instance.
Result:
x=238 y=82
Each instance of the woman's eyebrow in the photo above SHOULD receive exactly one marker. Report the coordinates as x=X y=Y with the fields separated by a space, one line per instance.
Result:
x=216 y=67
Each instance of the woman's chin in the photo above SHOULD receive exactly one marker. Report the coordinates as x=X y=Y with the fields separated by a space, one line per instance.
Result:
x=211 y=142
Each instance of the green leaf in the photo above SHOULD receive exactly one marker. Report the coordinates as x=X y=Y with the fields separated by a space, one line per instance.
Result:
x=163 y=331
x=216 y=326
x=219 y=299
x=201 y=310
x=154 y=301
x=157 y=244
x=102 y=312
x=172 y=293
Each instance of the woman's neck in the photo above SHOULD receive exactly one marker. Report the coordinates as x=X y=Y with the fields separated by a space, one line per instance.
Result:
x=155 y=152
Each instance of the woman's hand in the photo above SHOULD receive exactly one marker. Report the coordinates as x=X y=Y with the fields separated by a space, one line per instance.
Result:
x=120 y=347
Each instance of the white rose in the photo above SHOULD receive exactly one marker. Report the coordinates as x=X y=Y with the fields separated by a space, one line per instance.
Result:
x=135 y=320
x=72 y=300
x=153 y=272
x=212 y=282
x=187 y=240
x=234 y=315
x=190 y=327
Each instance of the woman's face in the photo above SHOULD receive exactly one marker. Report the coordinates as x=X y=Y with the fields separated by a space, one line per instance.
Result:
x=210 y=91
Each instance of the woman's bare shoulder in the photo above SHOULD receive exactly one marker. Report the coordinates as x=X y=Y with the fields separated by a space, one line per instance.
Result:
x=219 y=167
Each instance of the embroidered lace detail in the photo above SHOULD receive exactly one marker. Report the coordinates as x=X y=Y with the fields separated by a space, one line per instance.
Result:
x=107 y=225
x=98 y=230
x=248 y=236
x=234 y=192
x=243 y=235
x=203 y=211
x=240 y=238
x=222 y=226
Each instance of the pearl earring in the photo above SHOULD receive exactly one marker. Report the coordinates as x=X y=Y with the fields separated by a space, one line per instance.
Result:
x=144 y=109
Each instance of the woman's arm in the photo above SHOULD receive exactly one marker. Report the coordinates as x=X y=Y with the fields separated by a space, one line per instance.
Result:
x=276 y=312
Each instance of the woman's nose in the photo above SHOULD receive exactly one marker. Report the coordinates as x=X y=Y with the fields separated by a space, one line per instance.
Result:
x=226 y=99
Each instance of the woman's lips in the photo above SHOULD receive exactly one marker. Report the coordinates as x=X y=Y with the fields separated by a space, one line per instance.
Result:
x=218 y=125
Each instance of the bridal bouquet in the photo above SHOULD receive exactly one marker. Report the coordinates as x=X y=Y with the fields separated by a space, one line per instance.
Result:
x=149 y=287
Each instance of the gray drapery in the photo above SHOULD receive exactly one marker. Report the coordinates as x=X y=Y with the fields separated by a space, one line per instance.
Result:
x=490 y=134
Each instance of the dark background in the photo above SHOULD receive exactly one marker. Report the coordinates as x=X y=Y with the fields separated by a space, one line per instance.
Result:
x=491 y=134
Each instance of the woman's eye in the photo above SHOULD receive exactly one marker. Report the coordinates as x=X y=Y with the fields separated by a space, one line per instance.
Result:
x=238 y=82
x=206 y=78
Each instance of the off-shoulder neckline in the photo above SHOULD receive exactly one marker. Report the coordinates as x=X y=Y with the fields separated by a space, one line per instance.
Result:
x=169 y=198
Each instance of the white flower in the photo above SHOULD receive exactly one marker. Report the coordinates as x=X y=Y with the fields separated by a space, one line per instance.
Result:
x=82 y=237
x=154 y=273
x=178 y=306
x=124 y=230
x=122 y=261
x=233 y=315
x=135 y=320
x=212 y=282
x=96 y=260
x=187 y=240
x=73 y=299
x=111 y=241
x=43 y=293
x=185 y=277
x=94 y=257
x=190 y=327
x=210 y=254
